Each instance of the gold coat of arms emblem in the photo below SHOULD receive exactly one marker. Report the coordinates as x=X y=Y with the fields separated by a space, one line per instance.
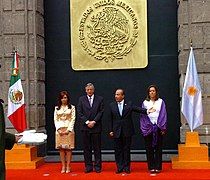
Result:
x=108 y=34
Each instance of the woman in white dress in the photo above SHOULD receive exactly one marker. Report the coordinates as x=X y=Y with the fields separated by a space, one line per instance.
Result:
x=64 y=119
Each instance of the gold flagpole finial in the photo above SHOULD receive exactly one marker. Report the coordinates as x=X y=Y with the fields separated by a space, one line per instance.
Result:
x=14 y=50
x=15 y=69
x=191 y=43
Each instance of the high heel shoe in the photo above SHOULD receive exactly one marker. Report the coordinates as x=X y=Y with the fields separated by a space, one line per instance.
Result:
x=68 y=170
x=63 y=170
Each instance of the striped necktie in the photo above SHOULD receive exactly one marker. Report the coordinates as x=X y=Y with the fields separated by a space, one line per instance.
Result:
x=90 y=101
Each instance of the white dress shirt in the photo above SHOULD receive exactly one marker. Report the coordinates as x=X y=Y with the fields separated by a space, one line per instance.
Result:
x=120 y=106
x=90 y=99
x=156 y=105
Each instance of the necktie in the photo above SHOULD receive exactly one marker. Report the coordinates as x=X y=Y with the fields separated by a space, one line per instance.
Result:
x=90 y=101
x=120 y=108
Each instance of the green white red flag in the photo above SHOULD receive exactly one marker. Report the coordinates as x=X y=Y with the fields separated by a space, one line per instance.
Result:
x=16 y=105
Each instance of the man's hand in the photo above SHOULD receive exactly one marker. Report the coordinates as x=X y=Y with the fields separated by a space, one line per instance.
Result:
x=163 y=132
x=111 y=134
x=91 y=124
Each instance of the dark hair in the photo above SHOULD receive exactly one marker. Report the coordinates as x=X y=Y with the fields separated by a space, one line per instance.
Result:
x=156 y=89
x=61 y=94
x=123 y=92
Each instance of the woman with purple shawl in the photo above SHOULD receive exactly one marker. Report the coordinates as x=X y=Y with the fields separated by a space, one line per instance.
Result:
x=153 y=127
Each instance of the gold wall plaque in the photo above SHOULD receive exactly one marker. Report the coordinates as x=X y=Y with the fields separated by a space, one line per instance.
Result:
x=108 y=34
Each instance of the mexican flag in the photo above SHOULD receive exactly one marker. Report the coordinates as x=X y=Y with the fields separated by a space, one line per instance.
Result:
x=16 y=106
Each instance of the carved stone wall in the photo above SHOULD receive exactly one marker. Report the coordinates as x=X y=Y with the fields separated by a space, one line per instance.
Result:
x=194 y=24
x=22 y=28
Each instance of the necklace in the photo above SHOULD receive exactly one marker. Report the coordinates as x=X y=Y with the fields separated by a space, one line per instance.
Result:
x=153 y=104
x=64 y=108
x=63 y=113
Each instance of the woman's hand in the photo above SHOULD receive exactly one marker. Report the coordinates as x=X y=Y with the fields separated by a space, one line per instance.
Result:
x=151 y=110
x=60 y=132
x=67 y=132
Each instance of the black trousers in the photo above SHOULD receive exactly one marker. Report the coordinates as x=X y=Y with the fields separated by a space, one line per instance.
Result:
x=122 y=152
x=92 y=141
x=154 y=154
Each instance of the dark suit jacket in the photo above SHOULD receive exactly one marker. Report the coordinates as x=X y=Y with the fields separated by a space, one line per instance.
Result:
x=94 y=113
x=7 y=141
x=123 y=124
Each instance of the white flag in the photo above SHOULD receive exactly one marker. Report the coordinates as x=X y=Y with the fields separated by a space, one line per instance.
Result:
x=191 y=97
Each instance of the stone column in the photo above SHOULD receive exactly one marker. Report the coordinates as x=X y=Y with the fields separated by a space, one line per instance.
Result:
x=22 y=28
x=194 y=24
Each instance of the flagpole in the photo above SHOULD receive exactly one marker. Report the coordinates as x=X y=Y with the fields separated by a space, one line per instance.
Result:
x=191 y=45
x=14 y=50
x=190 y=50
x=191 y=129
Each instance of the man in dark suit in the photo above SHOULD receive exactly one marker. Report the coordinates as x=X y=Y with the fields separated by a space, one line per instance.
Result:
x=90 y=110
x=122 y=129
x=7 y=141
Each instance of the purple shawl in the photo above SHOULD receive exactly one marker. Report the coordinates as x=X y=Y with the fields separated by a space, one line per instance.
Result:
x=147 y=127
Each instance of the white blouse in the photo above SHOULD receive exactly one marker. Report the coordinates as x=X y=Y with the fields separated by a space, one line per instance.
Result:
x=156 y=105
x=64 y=117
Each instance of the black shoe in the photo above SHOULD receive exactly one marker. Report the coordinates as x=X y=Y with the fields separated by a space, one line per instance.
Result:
x=127 y=171
x=88 y=170
x=157 y=170
x=98 y=171
x=152 y=171
x=119 y=171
